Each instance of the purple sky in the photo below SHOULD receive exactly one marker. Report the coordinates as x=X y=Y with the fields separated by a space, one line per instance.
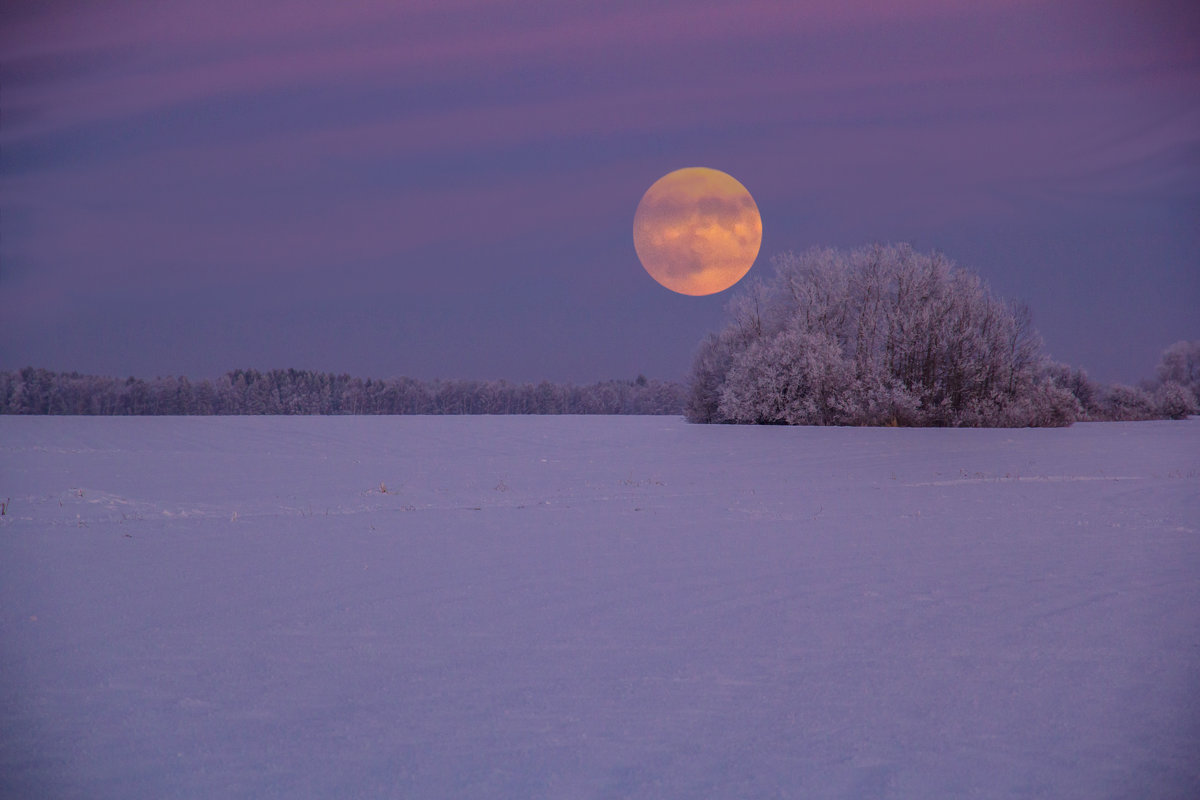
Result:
x=446 y=188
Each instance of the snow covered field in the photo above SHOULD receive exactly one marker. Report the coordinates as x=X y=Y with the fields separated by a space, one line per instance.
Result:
x=596 y=607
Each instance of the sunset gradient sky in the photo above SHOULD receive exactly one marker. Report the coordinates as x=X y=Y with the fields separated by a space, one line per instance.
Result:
x=446 y=188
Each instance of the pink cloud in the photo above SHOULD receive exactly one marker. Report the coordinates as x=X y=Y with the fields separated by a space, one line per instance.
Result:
x=270 y=45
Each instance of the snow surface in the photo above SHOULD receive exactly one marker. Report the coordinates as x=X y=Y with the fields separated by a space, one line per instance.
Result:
x=596 y=607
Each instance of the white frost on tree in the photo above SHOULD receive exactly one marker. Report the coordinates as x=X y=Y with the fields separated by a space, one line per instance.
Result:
x=879 y=335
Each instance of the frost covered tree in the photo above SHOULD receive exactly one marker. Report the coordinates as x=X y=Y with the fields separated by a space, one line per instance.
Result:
x=1180 y=363
x=793 y=378
x=1177 y=389
x=875 y=336
x=1175 y=401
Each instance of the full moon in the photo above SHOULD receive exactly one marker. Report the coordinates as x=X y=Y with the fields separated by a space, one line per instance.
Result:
x=697 y=231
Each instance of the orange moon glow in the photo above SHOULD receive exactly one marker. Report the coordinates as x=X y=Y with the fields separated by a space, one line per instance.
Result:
x=697 y=231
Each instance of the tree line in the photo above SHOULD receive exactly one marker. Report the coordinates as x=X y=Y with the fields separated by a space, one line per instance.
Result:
x=880 y=335
x=292 y=391
x=884 y=335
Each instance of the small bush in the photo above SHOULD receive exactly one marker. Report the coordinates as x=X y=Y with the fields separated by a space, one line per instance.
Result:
x=1123 y=403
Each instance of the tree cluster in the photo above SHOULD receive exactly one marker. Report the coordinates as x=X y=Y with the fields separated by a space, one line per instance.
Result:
x=1177 y=380
x=39 y=391
x=884 y=335
x=1118 y=402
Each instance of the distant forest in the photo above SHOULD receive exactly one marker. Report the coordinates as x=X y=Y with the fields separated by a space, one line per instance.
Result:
x=292 y=391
